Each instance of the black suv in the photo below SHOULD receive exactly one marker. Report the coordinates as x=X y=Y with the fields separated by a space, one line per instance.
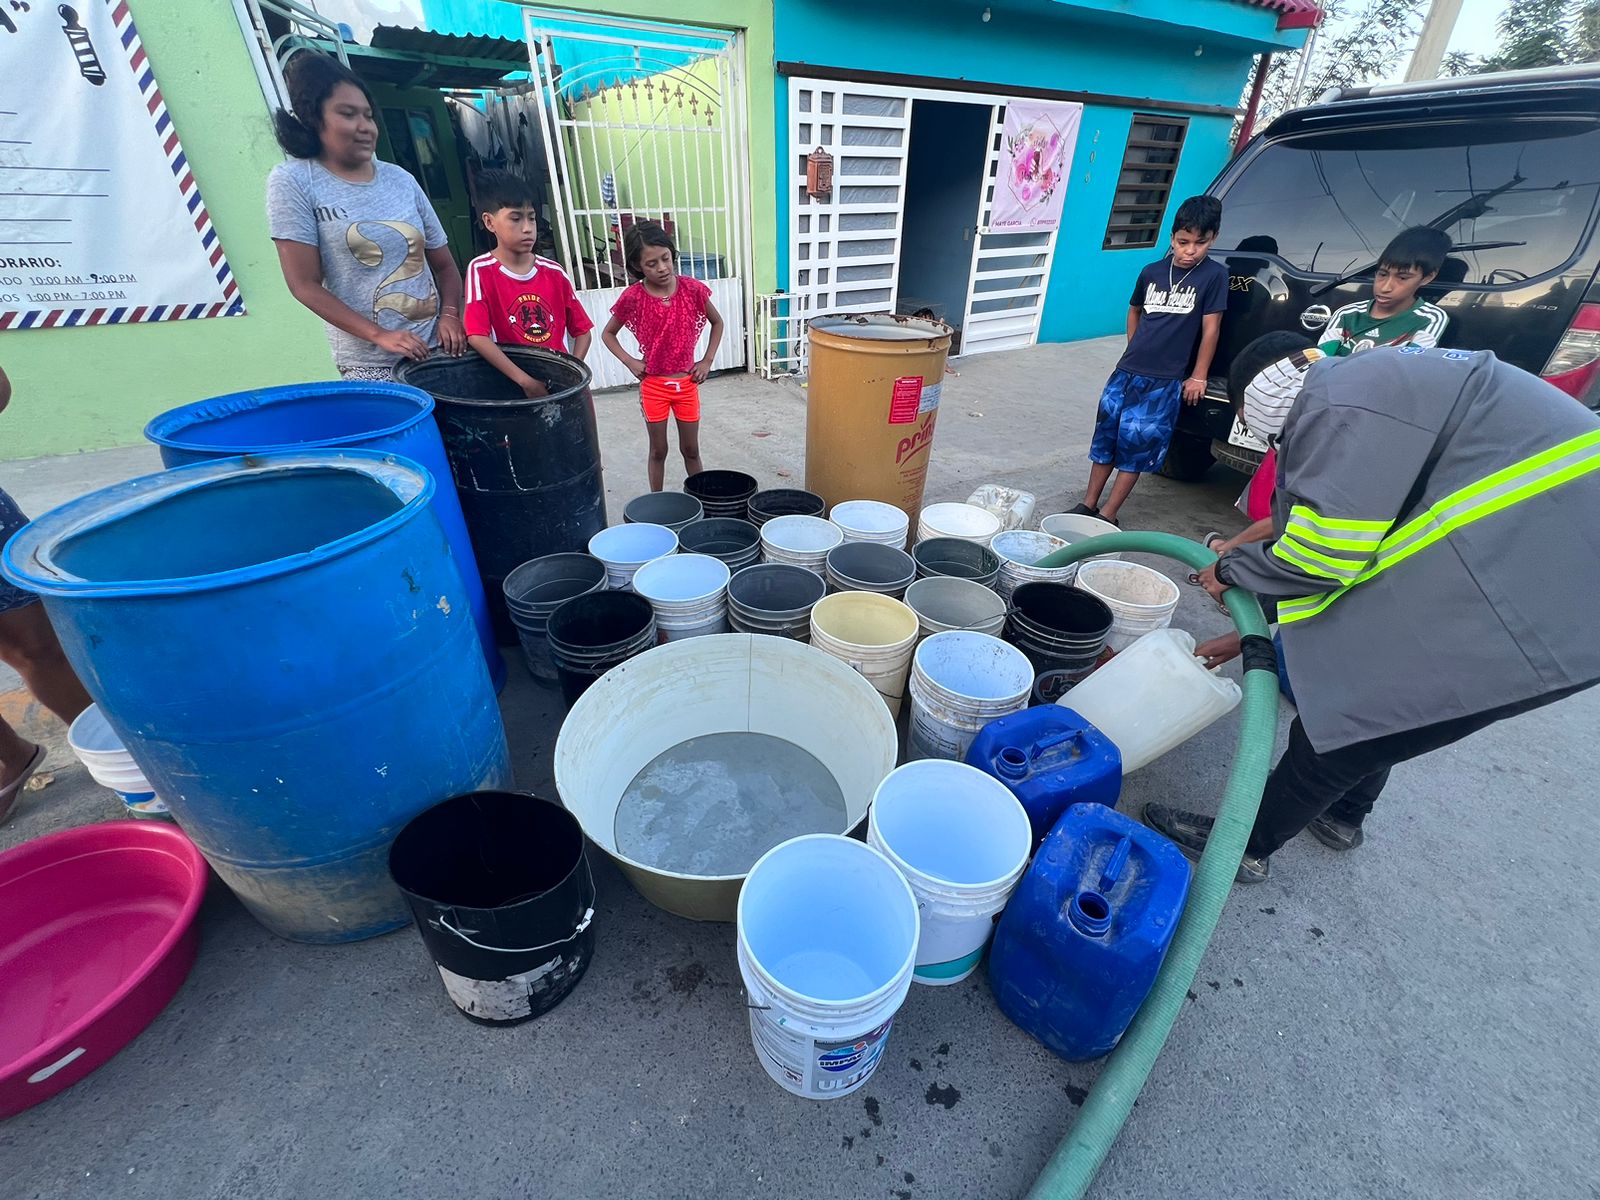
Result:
x=1508 y=165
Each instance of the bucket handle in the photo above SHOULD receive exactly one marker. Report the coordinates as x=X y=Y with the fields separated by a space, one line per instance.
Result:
x=442 y=923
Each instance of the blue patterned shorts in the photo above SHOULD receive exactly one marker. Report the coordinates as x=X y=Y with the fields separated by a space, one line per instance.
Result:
x=1134 y=425
x=11 y=520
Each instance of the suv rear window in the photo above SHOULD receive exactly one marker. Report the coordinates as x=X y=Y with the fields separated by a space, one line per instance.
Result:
x=1328 y=203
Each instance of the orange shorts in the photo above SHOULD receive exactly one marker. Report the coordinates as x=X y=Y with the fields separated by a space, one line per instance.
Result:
x=660 y=397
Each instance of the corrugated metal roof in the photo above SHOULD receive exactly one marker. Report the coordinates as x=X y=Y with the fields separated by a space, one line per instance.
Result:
x=421 y=41
x=1292 y=14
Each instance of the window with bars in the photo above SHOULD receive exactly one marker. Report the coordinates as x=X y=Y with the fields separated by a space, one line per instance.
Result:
x=1149 y=164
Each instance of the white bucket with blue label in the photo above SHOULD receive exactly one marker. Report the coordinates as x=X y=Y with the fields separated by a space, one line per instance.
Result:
x=111 y=766
x=827 y=938
x=962 y=840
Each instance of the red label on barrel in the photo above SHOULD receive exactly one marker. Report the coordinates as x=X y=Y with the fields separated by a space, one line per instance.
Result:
x=905 y=400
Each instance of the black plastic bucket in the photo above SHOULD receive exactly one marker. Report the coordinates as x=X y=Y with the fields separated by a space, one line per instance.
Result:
x=784 y=502
x=500 y=887
x=958 y=558
x=722 y=493
x=1062 y=630
x=870 y=567
x=536 y=589
x=588 y=635
x=735 y=542
x=774 y=598
x=672 y=509
x=527 y=471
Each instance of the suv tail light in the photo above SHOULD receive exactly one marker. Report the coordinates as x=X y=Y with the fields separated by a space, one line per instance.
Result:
x=1574 y=366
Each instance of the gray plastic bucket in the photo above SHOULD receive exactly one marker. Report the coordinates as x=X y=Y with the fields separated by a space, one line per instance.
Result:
x=870 y=567
x=774 y=598
x=956 y=557
x=672 y=509
x=735 y=542
x=536 y=589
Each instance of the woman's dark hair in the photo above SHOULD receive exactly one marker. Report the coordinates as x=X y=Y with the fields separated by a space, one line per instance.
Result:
x=312 y=78
x=641 y=234
x=1256 y=356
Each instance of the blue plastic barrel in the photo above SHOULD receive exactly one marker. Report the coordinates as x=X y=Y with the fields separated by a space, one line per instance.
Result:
x=1086 y=930
x=392 y=417
x=1051 y=758
x=284 y=646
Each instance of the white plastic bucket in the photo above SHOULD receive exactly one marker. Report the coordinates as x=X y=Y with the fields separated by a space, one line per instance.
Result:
x=943 y=603
x=962 y=841
x=110 y=765
x=1074 y=527
x=872 y=521
x=874 y=633
x=1141 y=598
x=626 y=548
x=827 y=941
x=965 y=521
x=1153 y=696
x=1018 y=550
x=800 y=541
x=689 y=593
x=959 y=683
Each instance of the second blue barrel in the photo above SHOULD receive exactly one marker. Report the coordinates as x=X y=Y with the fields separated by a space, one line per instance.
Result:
x=527 y=469
x=390 y=417
x=285 y=647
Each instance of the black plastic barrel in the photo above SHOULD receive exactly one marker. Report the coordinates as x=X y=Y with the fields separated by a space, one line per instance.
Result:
x=735 y=542
x=870 y=567
x=784 y=502
x=956 y=557
x=722 y=493
x=536 y=589
x=774 y=598
x=588 y=635
x=1062 y=630
x=500 y=886
x=527 y=471
x=672 y=509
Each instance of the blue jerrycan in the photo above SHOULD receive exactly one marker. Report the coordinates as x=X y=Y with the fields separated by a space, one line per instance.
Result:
x=1051 y=758
x=1083 y=937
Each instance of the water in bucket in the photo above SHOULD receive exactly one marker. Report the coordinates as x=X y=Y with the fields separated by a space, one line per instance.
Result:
x=712 y=805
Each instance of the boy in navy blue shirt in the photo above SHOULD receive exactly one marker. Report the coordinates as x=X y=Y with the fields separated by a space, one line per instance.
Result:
x=1176 y=303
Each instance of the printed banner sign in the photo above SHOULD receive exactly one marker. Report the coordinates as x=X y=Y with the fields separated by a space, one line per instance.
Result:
x=1035 y=161
x=101 y=221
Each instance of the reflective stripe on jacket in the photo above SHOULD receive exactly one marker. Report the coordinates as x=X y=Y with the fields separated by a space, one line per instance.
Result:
x=1439 y=545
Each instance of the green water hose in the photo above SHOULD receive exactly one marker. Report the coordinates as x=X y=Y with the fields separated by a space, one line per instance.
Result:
x=1073 y=1166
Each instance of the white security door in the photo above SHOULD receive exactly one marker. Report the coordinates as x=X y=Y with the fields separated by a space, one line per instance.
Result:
x=645 y=122
x=1010 y=271
x=844 y=247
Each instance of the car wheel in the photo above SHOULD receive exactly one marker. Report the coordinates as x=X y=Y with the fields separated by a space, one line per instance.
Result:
x=1188 y=458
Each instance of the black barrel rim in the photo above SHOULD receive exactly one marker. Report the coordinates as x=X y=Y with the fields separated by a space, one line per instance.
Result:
x=721 y=486
x=1043 y=602
x=785 y=502
x=576 y=622
x=569 y=376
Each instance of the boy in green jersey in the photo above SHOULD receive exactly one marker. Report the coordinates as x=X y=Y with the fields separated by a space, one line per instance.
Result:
x=1394 y=316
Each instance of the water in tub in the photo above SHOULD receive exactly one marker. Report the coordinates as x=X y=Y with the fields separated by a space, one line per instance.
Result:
x=712 y=805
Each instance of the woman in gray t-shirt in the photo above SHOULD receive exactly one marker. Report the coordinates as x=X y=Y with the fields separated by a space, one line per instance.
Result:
x=359 y=243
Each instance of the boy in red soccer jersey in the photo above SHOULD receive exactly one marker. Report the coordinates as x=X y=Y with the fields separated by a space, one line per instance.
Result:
x=513 y=296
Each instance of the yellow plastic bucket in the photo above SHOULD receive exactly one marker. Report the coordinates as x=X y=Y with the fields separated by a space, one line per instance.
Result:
x=873 y=633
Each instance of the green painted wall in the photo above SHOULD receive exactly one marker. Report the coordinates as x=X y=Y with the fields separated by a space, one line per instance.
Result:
x=86 y=389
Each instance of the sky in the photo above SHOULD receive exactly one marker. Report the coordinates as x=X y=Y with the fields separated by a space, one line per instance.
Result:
x=1474 y=31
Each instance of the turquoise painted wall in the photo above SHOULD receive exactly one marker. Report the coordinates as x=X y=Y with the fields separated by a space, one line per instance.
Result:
x=1139 y=48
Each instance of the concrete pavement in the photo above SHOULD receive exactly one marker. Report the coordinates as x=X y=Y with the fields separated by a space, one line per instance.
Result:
x=1413 y=1019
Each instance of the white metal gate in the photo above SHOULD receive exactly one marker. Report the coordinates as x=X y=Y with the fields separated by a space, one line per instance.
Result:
x=645 y=121
x=844 y=248
x=1010 y=271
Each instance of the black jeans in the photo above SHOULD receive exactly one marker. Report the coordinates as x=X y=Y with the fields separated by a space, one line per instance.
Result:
x=1345 y=782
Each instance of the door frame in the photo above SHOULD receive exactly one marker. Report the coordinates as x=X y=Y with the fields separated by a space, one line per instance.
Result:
x=996 y=102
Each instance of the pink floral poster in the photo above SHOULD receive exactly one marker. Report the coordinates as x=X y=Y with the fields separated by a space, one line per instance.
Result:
x=1035 y=161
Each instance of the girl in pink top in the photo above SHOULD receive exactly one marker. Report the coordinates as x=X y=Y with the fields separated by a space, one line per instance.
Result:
x=665 y=312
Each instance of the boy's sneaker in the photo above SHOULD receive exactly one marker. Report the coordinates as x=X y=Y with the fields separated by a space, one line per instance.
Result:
x=1190 y=831
x=1336 y=834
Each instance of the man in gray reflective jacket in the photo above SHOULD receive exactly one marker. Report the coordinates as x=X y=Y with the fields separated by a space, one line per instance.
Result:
x=1436 y=567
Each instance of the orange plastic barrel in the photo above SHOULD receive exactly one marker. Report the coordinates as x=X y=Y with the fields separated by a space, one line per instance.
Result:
x=873 y=401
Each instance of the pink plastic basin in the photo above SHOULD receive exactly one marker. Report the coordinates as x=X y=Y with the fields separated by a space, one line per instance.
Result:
x=97 y=933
